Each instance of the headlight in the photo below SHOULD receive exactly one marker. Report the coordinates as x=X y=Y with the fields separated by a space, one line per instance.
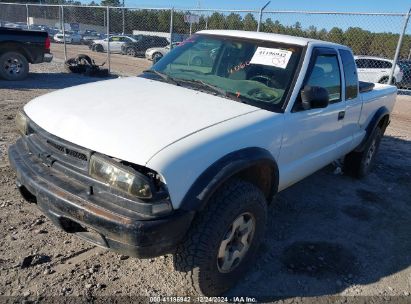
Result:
x=21 y=123
x=118 y=176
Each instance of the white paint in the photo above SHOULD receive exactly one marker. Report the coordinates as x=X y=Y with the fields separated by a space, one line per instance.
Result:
x=180 y=132
x=377 y=69
x=115 y=43
x=267 y=37
x=130 y=118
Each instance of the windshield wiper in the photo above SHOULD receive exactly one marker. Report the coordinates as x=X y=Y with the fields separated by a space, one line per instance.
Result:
x=164 y=76
x=203 y=84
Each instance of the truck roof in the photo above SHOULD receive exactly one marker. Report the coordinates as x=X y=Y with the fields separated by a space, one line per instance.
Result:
x=269 y=37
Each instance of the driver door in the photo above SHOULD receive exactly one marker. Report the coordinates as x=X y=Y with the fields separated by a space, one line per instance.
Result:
x=115 y=44
x=311 y=136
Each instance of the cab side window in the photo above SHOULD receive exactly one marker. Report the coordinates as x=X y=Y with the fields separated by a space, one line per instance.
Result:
x=360 y=63
x=326 y=74
x=386 y=65
x=350 y=74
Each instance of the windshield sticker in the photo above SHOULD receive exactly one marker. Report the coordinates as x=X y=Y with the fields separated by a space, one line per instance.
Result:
x=238 y=67
x=272 y=57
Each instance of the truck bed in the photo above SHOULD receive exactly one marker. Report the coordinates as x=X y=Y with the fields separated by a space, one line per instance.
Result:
x=382 y=95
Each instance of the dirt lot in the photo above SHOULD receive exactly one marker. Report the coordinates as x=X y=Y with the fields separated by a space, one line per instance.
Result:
x=120 y=64
x=329 y=235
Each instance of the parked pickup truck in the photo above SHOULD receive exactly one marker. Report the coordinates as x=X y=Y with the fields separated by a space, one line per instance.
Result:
x=18 y=48
x=185 y=158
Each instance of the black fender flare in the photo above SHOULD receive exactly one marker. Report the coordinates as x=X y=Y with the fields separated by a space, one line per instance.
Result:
x=223 y=169
x=379 y=115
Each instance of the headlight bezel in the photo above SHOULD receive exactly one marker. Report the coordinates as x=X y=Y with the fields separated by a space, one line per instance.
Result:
x=22 y=123
x=118 y=170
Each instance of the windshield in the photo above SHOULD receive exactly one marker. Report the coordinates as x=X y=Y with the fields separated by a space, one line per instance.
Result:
x=251 y=71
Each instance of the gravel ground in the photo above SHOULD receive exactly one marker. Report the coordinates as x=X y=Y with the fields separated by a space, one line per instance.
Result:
x=329 y=235
x=120 y=64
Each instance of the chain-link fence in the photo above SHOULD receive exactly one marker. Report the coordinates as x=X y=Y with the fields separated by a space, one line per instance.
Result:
x=373 y=37
x=123 y=38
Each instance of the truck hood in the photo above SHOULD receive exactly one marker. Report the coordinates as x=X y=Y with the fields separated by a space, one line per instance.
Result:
x=130 y=118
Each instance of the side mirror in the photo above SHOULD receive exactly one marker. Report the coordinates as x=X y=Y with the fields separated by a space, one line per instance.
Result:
x=314 y=97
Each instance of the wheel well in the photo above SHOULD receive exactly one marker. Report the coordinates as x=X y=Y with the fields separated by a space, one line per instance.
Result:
x=11 y=47
x=255 y=165
x=263 y=176
x=383 y=123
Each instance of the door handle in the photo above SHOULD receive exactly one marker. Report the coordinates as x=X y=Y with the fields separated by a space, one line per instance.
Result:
x=341 y=115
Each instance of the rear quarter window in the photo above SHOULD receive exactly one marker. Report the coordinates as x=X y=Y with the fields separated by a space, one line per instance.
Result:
x=350 y=74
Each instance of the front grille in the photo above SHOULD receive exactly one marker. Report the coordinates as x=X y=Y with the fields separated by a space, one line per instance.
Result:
x=56 y=146
x=79 y=155
x=41 y=142
x=67 y=151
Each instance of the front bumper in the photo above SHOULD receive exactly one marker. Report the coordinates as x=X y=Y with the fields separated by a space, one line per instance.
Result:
x=48 y=57
x=66 y=202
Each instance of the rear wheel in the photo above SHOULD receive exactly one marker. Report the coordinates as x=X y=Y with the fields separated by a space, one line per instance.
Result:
x=131 y=52
x=359 y=164
x=13 y=66
x=224 y=239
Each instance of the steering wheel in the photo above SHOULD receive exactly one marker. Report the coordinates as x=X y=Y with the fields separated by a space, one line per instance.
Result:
x=265 y=80
x=263 y=95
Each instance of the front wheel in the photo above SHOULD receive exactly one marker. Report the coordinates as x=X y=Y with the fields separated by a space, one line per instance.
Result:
x=359 y=164
x=157 y=56
x=224 y=239
x=13 y=66
x=131 y=52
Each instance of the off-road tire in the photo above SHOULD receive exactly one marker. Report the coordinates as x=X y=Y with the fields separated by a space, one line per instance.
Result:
x=359 y=164
x=78 y=64
x=13 y=66
x=196 y=257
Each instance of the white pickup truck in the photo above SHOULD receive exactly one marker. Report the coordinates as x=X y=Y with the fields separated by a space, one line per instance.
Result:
x=185 y=158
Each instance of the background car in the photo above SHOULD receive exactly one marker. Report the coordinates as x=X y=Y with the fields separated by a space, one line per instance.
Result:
x=138 y=48
x=59 y=38
x=15 y=25
x=159 y=52
x=89 y=39
x=116 y=42
x=376 y=69
x=18 y=48
x=405 y=66
x=89 y=36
